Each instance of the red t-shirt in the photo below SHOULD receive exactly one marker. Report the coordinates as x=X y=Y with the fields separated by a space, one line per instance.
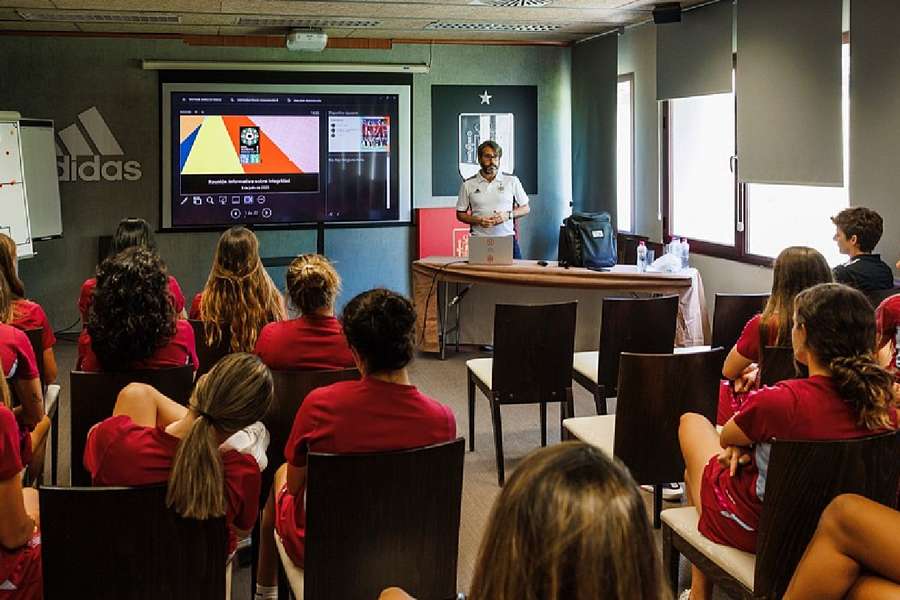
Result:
x=306 y=343
x=194 y=312
x=794 y=409
x=29 y=315
x=87 y=296
x=748 y=344
x=180 y=351
x=16 y=354
x=351 y=417
x=887 y=319
x=120 y=452
x=20 y=569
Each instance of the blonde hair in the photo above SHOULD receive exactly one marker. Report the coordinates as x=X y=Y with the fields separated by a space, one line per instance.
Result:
x=569 y=525
x=239 y=294
x=234 y=394
x=312 y=283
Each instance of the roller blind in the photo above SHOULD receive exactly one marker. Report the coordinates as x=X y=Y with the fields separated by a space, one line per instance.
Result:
x=788 y=85
x=693 y=57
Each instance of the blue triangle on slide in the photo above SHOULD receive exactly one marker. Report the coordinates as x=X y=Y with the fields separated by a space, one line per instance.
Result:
x=187 y=144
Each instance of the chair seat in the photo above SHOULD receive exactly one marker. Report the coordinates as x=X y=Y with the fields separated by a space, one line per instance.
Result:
x=483 y=369
x=690 y=349
x=739 y=564
x=598 y=431
x=585 y=363
x=293 y=572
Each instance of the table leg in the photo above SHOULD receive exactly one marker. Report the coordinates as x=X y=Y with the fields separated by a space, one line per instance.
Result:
x=442 y=298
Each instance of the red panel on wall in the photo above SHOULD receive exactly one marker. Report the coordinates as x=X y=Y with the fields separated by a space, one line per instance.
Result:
x=441 y=234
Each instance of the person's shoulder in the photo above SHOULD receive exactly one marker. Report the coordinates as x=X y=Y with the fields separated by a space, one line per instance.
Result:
x=88 y=284
x=184 y=329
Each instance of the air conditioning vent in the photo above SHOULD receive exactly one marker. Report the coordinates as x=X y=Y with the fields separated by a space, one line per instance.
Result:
x=80 y=16
x=512 y=3
x=308 y=23
x=502 y=27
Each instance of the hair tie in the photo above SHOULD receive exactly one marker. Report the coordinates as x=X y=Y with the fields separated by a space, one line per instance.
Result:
x=204 y=414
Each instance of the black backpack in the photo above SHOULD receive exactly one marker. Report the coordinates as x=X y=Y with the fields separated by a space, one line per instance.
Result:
x=587 y=240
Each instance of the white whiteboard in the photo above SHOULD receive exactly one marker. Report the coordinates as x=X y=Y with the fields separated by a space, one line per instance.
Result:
x=41 y=181
x=13 y=207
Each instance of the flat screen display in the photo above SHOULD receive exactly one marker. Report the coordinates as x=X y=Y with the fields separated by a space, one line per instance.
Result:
x=285 y=154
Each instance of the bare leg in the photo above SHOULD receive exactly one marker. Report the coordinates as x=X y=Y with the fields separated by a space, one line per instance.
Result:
x=267 y=567
x=854 y=534
x=699 y=442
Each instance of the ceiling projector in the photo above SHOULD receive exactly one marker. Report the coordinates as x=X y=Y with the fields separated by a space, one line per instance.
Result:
x=307 y=40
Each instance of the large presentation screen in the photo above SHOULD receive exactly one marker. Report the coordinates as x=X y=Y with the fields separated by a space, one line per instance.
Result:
x=283 y=154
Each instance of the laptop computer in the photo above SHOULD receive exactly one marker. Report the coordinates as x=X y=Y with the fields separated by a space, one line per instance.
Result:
x=490 y=250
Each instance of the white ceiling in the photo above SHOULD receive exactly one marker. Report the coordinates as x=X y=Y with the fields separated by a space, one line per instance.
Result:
x=557 y=21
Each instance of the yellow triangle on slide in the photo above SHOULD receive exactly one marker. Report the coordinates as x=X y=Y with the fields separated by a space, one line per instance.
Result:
x=213 y=151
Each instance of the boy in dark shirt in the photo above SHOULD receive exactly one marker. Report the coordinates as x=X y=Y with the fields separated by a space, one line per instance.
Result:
x=858 y=230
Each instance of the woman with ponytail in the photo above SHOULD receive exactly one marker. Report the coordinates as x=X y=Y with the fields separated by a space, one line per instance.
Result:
x=239 y=297
x=847 y=395
x=315 y=339
x=152 y=439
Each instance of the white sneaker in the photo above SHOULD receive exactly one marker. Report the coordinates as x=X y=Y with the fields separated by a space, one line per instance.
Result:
x=252 y=440
x=671 y=492
x=685 y=595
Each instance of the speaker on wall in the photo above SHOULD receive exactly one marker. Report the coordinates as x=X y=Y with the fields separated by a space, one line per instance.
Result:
x=667 y=12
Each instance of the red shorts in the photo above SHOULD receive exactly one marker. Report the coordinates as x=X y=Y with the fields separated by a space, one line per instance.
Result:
x=24 y=581
x=717 y=522
x=729 y=402
x=292 y=534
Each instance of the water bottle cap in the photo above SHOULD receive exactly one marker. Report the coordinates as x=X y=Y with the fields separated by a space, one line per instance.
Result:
x=641 y=243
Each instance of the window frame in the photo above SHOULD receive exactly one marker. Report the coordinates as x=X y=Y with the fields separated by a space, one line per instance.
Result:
x=629 y=78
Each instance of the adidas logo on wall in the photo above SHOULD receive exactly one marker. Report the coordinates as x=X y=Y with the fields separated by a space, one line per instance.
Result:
x=87 y=143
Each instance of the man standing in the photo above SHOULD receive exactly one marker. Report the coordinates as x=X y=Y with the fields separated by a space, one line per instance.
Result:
x=490 y=200
x=857 y=231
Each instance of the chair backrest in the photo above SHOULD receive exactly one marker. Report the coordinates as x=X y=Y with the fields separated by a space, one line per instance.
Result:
x=376 y=520
x=36 y=338
x=776 y=363
x=654 y=391
x=626 y=247
x=878 y=296
x=803 y=477
x=533 y=350
x=291 y=387
x=93 y=396
x=209 y=355
x=638 y=325
x=731 y=313
x=124 y=544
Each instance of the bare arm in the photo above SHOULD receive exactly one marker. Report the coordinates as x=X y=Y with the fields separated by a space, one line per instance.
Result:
x=735 y=363
x=147 y=407
x=471 y=219
x=732 y=435
x=50 y=369
x=296 y=478
x=29 y=393
x=17 y=525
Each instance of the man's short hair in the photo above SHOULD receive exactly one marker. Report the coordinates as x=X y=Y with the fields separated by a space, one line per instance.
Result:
x=866 y=224
x=492 y=145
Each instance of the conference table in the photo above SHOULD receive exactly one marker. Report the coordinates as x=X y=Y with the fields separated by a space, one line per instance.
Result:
x=527 y=282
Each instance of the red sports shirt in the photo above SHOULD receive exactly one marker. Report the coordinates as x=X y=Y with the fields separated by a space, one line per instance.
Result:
x=306 y=343
x=194 y=312
x=356 y=416
x=87 y=297
x=119 y=452
x=887 y=318
x=180 y=351
x=16 y=354
x=29 y=315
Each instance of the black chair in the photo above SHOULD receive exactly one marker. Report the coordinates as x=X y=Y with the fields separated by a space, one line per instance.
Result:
x=654 y=391
x=803 y=477
x=209 y=355
x=776 y=363
x=730 y=313
x=36 y=339
x=532 y=364
x=124 y=544
x=381 y=519
x=93 y=396
x=878 y=296
x=626 y=247
x=640 y=325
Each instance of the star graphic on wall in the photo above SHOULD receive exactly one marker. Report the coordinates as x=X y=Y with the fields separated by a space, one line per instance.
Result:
x=485 y=97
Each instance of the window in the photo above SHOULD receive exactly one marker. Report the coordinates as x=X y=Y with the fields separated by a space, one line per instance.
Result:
x=700 y=190
x=625 y=153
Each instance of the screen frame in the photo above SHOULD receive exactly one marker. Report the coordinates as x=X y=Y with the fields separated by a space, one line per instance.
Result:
x=195 y=84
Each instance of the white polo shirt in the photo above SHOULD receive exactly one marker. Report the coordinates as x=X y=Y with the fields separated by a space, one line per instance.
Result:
x=486 y=197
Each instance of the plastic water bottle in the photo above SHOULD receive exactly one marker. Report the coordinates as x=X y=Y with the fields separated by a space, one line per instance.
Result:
x=685 y=253
x=674 y=247
x=641 y=256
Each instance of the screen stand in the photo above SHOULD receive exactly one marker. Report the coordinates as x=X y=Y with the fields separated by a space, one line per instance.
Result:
x=320 y=238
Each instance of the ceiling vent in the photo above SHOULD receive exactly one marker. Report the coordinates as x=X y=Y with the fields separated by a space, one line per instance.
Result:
x=512 y=3
x=308 y=23
x=501 y=27
x=79 y=16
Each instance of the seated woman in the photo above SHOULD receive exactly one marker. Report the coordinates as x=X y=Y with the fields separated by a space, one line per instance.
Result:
x=847 y=395
x=131 y=232
x=383 y=411
x=132 y=323
x=239 y=297
x=20 y=538
x=796 y=269
x=315 y=339
x=887 y=318
x=854 y=554
x=152 y=439
x=570 y=523
x=25 y=314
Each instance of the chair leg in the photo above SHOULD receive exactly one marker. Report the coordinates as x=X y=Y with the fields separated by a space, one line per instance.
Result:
x=498 y=440
x=543 y=409
x=600 y=400
x=471 y=392
x=54 y=443
x=670 y=559
x=566 y=411
x=657 y=504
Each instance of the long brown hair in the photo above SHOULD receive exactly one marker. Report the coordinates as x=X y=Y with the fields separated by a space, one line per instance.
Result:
x=312 y=283
x=796 y=268
x=235 y=393
x=840 y=333
x=239 y=294
x=569 y=525
x=14 y=286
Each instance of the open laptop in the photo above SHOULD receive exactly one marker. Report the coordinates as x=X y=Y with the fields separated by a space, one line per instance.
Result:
x=490 y=250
